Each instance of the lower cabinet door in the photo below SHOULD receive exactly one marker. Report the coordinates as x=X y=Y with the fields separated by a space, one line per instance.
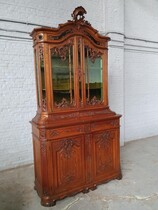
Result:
x=105 y=151
x=68 y=163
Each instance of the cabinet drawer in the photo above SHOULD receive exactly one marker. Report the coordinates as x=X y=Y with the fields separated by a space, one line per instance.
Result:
x=65 y=131
x=102 y=125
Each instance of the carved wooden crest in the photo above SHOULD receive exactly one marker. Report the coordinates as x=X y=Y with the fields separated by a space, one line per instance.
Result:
x=78 y=13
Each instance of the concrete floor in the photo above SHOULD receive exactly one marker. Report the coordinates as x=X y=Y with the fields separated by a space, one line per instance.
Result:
x=138 y=190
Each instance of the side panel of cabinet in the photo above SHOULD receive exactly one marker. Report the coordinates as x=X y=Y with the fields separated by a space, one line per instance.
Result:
x=67 y=156
x=37 y=164
x=106 y=155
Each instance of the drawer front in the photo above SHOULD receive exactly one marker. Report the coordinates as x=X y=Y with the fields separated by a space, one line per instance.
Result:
x=107 y=124
x=64 y=131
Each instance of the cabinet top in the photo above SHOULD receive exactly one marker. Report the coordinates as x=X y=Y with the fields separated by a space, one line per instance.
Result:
x=77 y=26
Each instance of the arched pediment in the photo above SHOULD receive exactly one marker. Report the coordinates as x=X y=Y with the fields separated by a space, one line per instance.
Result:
x=76 y=27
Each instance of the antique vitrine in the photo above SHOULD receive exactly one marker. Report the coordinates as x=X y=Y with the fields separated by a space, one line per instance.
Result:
x=75 y=134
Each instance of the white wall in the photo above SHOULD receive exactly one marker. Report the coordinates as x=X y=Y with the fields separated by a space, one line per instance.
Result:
x=141 y=69
x=17 y=82
x=132 y=66
x=114 y=28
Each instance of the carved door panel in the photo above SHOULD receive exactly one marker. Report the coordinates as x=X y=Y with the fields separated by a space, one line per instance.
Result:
x=104 y=150
x=68 y=162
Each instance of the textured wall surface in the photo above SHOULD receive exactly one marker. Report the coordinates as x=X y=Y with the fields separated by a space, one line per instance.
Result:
x=133 y=75
x=114 y=27
x=141 y=69
x=17 y=83
x=17 y=106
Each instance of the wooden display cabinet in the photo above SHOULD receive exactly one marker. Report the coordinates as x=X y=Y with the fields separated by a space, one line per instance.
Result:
x=75 y=134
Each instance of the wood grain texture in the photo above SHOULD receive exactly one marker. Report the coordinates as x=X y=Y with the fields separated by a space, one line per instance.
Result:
x=76 y=147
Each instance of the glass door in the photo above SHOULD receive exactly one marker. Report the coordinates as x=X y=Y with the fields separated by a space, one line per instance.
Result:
x=40 y=78
x=93 y=67
x=77 y=75
x=62 y=76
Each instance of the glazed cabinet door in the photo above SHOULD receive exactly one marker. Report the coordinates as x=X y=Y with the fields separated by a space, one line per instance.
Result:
x=79 y=74
x=68 y=161
x=92 y=74
x=40 y=78
x=105 y=154
x=62 y=71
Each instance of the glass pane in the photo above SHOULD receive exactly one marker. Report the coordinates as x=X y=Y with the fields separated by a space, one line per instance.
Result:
x=43 y=79
x=79 y=71
x=37 y=78
x=63 y=78
x=94 y=84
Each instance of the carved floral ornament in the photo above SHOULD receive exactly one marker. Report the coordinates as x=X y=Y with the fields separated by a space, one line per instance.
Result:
x=38 y=38
x=93 y=54
x=74 y=115
x=94 y=101
x=64 y=103
x=105 y=139
x=67 y=147
x=76 y=26
x=41 y=55
x=63 y=50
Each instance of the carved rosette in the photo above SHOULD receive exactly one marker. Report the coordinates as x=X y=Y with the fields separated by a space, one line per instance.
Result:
x=40 y=37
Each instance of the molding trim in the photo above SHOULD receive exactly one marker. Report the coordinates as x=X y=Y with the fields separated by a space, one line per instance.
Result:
x=119 y=40
x=22 y=22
